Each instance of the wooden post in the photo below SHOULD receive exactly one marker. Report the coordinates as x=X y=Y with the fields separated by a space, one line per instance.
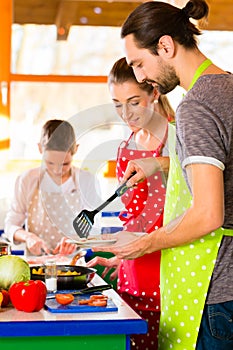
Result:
x=6 y=8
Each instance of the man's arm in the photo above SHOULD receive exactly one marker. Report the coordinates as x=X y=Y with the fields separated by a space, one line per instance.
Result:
x=204 y=216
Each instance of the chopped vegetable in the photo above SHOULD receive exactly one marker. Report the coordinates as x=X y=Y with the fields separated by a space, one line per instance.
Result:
x=98 y=296
x=6 y=297
x=1 y=298
x=98 y=302
x=40 y=271
x=95 y=300
x=83 y=301
x=13 y=269
x=64 y=299
x=28 y=296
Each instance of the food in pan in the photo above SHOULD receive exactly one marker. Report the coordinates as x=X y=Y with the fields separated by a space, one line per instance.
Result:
x=40 y=271
x=72 y=277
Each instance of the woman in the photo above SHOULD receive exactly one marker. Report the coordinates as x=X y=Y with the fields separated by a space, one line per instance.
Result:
x=146 y=113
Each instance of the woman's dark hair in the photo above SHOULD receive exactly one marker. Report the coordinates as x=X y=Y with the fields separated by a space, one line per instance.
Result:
x=121 y=72
x=58 y=135
x=151 y=20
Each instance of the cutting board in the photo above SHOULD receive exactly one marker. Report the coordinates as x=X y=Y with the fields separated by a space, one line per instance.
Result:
x=53 y=306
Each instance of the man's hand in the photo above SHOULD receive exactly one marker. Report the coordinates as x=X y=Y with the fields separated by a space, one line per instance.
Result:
x=129 y=245
x=144 y=168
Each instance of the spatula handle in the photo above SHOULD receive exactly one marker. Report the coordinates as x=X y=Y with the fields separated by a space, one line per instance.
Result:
x=123 y=188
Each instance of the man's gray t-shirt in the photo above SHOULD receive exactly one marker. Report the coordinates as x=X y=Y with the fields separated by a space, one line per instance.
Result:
x=204 y=121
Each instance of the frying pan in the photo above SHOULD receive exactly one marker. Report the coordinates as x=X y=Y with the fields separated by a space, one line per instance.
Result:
x=70 y=282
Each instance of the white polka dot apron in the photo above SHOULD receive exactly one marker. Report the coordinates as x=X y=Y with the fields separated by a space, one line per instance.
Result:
x=51 y=214
x=185 y=271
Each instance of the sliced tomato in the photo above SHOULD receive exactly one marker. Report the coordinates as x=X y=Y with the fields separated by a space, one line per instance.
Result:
x=98 y=302
x=83 y=301
x=64 y=299
x=98 y=296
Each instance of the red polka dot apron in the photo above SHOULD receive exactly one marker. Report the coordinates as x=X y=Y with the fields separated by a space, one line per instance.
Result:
x=185 y=271
x=143 y=213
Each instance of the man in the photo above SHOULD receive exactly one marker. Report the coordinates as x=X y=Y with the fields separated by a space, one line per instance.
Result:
x=197 y=244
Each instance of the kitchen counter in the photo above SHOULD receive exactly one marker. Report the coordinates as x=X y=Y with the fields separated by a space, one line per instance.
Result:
x=86 y=331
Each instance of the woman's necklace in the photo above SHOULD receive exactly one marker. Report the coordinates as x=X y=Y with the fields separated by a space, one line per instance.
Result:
x=199 y=71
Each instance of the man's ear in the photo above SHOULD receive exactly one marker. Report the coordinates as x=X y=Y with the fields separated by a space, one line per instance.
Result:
x=166 y=47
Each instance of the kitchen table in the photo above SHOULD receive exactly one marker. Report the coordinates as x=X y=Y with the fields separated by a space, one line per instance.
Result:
x=86 y=331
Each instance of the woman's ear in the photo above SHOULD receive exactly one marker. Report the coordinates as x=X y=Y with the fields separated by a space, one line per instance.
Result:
x=40 y=148
x=76 y=148
x=156 y=95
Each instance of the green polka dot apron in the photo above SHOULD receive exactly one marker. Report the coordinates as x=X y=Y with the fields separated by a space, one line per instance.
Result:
x=185 y=271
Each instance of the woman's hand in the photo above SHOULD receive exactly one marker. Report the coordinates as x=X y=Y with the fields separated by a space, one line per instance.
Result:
x=111 y=263
x=64 y=247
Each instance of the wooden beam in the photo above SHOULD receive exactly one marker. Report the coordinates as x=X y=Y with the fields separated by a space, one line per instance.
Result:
x=5 y=49
x=113 y=13
x=59 y=78
x=65 y=17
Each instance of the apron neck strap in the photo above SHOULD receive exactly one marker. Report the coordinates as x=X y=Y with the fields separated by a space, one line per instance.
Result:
x=199 y=71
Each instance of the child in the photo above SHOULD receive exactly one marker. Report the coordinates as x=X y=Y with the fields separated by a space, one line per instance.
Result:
x=48 y=198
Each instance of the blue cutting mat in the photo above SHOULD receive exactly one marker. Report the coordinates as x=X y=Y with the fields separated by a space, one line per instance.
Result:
x=53 y=306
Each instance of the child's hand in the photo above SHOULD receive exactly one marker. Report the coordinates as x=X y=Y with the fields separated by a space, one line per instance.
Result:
x=64 y=247
x=36 y=245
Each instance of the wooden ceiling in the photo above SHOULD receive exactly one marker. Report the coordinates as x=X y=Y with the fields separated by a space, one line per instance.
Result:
x=65 y=13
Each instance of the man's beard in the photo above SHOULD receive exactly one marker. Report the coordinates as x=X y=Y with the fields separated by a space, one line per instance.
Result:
x=168 y=80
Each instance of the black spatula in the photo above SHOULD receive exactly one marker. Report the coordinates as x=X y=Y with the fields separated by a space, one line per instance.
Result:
x=85 y=219
x=88 y=290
